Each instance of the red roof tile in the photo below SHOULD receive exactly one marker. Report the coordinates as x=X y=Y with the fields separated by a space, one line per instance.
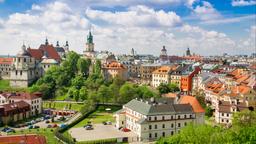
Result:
x=6 y=60
x=197 y=108
x=26 y=139
x=36 y=53
x=51 y=51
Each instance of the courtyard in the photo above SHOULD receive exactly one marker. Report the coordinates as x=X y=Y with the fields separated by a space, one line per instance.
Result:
x=99 y=132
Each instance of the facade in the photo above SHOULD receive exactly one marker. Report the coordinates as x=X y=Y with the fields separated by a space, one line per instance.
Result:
x=146 y=71
x=34 y=100
x=23 y=71
x=155 y=118
x=162 y=75
x=115 y=69
x=13 y=112
x=5 y=67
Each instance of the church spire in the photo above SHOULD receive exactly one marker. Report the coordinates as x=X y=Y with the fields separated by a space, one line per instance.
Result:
x=57 y=44
x=46 y=41
x=90 y=37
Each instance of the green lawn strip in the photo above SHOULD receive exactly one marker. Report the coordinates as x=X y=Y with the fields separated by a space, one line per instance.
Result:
x=48 y=133
x=99 y=116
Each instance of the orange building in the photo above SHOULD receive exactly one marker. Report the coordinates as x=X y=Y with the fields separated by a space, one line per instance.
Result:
x=115 y=69
x=186 y=81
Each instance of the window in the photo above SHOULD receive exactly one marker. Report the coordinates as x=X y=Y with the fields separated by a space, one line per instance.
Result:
x=25 y=59
x=150 y=135
x=227 y=115
x=178 y=124
x=163 y=125
x=20 y=72
x=155 y=126
x=155 y=118
x=150 y=127
x=149 y=118
x=222 y=114
x=171 y=132
x=185 y=124
x=162 y=117
x=155 y=134
x=185 y=116
x=171 y=117
x=172 y=125
x=191 y=116
x=163 y=134
x=178 y=117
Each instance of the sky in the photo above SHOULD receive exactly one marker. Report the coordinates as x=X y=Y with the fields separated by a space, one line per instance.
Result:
x=210 y=27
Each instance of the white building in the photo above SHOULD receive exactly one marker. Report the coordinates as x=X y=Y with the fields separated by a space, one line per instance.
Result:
x=155 y=118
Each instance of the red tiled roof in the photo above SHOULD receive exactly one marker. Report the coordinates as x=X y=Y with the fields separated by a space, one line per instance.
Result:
x=8 y=60
x=23 y=139
x=115 y=65
x=26 y=96
x=51 y=51
x=36 y=53
x=197 y=108
x=15 y=107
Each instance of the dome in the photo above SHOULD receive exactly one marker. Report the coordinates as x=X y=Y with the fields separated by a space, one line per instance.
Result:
x=23 y=51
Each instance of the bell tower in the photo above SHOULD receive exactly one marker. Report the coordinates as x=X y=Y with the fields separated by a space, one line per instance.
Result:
x=89 y=43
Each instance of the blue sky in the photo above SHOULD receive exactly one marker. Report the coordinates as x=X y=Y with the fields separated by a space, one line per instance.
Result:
x=207 y=27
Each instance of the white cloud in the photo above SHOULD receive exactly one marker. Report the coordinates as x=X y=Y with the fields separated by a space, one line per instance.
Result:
x=206 y=12
x=1 y=1
x=136 y=16
x=243 y=2
x=139 y=27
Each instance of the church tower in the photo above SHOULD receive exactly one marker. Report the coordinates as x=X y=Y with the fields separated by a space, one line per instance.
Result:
x=163 y=56
x=23 y=71
x=89 y=47
x=89 y=43
x=188 y=52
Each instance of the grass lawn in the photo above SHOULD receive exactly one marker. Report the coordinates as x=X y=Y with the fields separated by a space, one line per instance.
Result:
x=61 y=106
x=49 y=135
x=63 y=97
x=4 y=84
x=99 y=116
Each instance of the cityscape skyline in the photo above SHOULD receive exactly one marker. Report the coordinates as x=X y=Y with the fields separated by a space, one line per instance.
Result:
x=206 y=27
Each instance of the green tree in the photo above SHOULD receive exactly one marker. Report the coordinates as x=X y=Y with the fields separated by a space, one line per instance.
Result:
x=245 y=118
x=127 y=92
x=173 y=87
x=104 y=94
x=83 y=93
x=208 y=111
x=163 y=88
x=77 y=82
x=83 y=66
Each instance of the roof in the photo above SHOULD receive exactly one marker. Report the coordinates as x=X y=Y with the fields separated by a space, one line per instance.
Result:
x=23 y=139
x=114 y=65
x=36 y=53
x=59 y=49
x=51 y=51
x=7 y=60
x=162 y=70
x=158 y=106
x=15 y=107
x=25 y=96
x=197 y=108
x=49 y=61
x=225 y=106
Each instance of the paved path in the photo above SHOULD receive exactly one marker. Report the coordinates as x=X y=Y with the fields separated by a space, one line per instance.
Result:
x=73 y=118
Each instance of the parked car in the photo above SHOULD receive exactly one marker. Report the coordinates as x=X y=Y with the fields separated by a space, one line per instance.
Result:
x=5 y=129
x=89 y=127
x=49 y=126
x=10 y=130
x=47 y=121
x=125 y=130
x=54 y=125
x=109 y=123
x=104 y=123
x=32 y=122
x=30 y=126
x=36 y=127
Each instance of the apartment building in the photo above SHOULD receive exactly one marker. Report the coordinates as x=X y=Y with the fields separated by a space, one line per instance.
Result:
x=115 y=69
x=155 y=118
x=162 y=75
